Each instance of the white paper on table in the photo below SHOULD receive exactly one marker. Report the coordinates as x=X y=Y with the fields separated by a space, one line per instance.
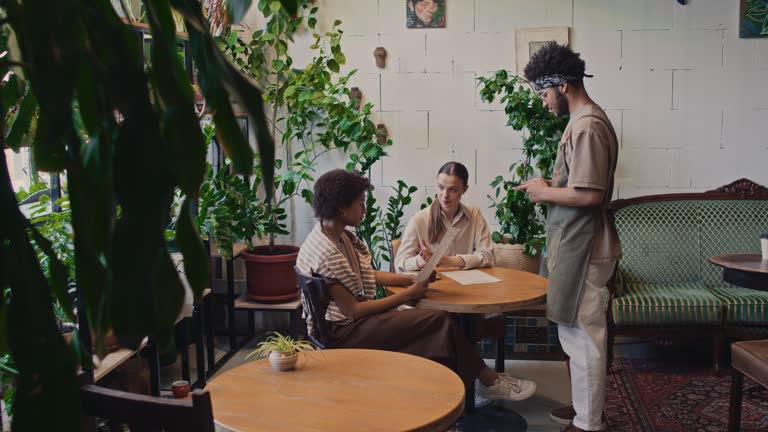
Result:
x=437 y=254
x=470 y=277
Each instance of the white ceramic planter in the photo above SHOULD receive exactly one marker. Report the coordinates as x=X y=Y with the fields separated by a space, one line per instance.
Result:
x=282 y=362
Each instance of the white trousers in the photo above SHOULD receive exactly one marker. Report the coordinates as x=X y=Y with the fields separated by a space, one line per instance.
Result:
x=586 y=345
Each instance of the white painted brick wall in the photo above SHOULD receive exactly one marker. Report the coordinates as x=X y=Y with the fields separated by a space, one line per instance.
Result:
x=506 y=15
x=686 y=95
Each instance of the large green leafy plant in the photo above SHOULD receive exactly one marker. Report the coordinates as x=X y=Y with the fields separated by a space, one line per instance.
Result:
x=310 y=108
x=379 y=227
x=126 y=137
x=519 y=218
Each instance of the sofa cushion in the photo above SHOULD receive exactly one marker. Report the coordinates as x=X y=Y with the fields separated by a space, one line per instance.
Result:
x=743 y=306
x=666 y=305
x=659 y=242
x=729 y=227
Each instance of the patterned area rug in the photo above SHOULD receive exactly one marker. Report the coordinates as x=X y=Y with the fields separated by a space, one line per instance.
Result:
x=648 y=396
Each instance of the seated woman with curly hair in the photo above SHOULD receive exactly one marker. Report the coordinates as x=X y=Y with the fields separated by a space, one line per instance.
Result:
x=356 y=320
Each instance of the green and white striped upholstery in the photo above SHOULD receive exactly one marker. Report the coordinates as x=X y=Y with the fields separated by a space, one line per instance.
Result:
x=667 y=278
x=666 y=305
x=743 y=306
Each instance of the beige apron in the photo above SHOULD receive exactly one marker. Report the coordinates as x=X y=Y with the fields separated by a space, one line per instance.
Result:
x=570 y=235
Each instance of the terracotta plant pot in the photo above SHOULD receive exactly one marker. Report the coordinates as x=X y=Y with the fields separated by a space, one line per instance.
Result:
x=282 y=362
x=180 y=389
x=512 y=256
x=270 y=278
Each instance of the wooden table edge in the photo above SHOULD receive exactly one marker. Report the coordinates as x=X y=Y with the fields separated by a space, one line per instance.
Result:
x=483 y=308
x=717 y=260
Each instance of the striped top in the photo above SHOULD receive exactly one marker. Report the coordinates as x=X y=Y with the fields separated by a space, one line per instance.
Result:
x=322 y=257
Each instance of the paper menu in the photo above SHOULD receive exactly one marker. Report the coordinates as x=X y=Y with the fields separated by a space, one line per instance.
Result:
x=471 y=277
x=437 y=253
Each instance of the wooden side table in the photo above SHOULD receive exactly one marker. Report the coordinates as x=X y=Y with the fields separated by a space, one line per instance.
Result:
x=341 y=390
x=293 y=308
x=744 y=270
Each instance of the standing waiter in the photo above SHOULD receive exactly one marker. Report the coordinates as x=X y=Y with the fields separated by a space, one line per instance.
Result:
x=582 y=244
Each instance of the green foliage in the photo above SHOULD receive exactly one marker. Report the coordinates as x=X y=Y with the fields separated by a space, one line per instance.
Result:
x=755 y=21
x=379 y=228
x=310 y=108
x=517 y=215
x=127 y=138
x=8 y=375
x=393 y=226
x=282 y=344
x=231 y=210
x=370 y=230
x=427 y=203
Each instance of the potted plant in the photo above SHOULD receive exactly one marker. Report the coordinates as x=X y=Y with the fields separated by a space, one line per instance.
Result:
x=313 y=112
x=283 y=351
x=520 y=238
x=126 y=136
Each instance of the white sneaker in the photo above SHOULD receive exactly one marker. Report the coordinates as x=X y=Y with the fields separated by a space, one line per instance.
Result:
x=480 y=401
x=508 y=387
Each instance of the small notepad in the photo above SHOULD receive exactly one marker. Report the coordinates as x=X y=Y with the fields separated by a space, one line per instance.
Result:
x=470 y=277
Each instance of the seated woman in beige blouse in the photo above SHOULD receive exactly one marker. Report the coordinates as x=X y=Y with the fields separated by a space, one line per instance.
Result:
x=356 y=320
x=471 y=248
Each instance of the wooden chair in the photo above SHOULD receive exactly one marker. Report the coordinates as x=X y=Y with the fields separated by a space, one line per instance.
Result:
x=146 y=413
x=750 y=359
x=315 y=298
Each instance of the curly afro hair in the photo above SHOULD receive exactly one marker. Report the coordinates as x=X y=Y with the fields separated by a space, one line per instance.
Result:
x=337 y=189
x=555 y=59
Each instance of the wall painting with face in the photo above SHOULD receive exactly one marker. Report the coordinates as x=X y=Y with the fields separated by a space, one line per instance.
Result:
x=425 y=13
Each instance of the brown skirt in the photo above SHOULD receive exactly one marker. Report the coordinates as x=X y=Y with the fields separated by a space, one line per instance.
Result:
x=435 y=335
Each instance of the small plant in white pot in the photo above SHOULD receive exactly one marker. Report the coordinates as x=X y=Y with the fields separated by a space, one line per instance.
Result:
x=283 y=351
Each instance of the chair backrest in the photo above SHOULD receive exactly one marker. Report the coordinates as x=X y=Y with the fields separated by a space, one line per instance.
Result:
x=315 y=299
x=148 y=413
x=395 y=246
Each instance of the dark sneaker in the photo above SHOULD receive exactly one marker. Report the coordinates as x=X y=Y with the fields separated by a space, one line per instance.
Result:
x=563 y=415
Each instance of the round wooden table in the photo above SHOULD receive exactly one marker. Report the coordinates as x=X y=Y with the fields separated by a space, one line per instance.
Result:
x=744 y=270
x=339 y=390
x=516 y=290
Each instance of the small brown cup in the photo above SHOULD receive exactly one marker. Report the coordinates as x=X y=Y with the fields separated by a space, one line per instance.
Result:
x=180 y=389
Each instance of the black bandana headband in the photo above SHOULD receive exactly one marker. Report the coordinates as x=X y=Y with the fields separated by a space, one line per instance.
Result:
x=554 y=80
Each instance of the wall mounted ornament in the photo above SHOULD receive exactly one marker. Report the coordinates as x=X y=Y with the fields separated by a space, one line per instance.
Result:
x=530 y=40
x=425 y=13
x=753 y=18
x=380 y=54
x=381 y=133
x=357 y=97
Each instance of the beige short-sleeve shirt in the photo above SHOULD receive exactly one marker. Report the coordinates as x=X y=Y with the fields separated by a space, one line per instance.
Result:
x=589 y=146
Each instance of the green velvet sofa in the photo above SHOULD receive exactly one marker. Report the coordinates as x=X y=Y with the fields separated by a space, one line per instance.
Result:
x=665 y=285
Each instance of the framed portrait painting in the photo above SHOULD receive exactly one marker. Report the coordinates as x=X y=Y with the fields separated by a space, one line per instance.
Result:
x=530 y=40
x=425 y=13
